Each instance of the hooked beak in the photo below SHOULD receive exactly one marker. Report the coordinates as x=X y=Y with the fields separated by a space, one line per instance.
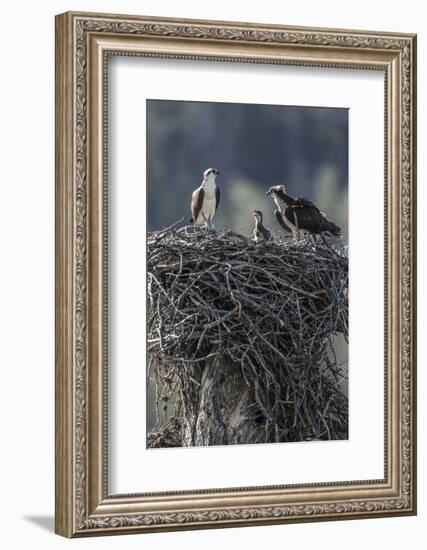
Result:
x=216 y=172
x=269 y=191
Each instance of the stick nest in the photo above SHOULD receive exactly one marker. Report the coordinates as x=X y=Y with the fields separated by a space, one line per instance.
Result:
x=273 y=309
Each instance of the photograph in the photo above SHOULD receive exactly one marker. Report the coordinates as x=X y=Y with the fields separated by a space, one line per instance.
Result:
x=235 y=271
x=247 y=273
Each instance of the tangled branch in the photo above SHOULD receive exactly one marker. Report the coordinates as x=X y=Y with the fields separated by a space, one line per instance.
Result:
x=274 y=309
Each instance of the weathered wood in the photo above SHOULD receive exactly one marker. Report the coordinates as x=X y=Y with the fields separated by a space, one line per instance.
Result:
x=220 y=415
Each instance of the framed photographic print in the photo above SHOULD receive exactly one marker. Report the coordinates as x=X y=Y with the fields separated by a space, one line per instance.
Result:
x=235 y=274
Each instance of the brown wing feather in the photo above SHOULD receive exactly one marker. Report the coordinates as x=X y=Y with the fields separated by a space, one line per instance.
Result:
x=305 y=218
x=265 y=233
x=279 y=218
x=303 y=202
x=311 y=219
x=197 y=203
x=217 y=197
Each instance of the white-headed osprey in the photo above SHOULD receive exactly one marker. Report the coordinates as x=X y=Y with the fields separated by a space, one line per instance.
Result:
x=205 y=199
x=300 y=214
x=260 y=233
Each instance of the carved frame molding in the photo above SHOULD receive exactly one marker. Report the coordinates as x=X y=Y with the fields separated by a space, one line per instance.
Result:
x=83 y=42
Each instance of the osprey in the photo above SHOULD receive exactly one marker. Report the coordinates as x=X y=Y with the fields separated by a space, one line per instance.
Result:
x=260 y=233
x=205 y=199
x=300 y=214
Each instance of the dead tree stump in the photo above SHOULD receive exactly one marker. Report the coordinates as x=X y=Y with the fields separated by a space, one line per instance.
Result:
x=219 y=415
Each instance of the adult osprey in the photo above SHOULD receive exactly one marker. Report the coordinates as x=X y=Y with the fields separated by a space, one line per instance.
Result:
x=260 y=233
x=205 y=199
x=300 y=214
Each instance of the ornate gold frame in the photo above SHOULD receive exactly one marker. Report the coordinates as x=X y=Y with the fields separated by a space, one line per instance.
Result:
x=83 y=40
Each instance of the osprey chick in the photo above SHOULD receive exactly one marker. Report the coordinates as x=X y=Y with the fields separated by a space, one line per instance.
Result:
x=205 y=199
x=260 y=233
x=300 y=214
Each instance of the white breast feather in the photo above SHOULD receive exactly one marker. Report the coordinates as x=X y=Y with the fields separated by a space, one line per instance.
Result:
x=209 y=203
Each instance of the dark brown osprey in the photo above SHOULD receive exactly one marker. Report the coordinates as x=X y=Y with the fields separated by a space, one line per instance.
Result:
x=260 y=233
x=300 y=214
x=205 y=199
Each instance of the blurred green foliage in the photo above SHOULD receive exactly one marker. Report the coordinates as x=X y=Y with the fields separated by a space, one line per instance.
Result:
x=254 y=147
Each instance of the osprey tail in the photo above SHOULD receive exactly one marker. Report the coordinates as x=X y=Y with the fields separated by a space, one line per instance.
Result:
x=332 y=229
